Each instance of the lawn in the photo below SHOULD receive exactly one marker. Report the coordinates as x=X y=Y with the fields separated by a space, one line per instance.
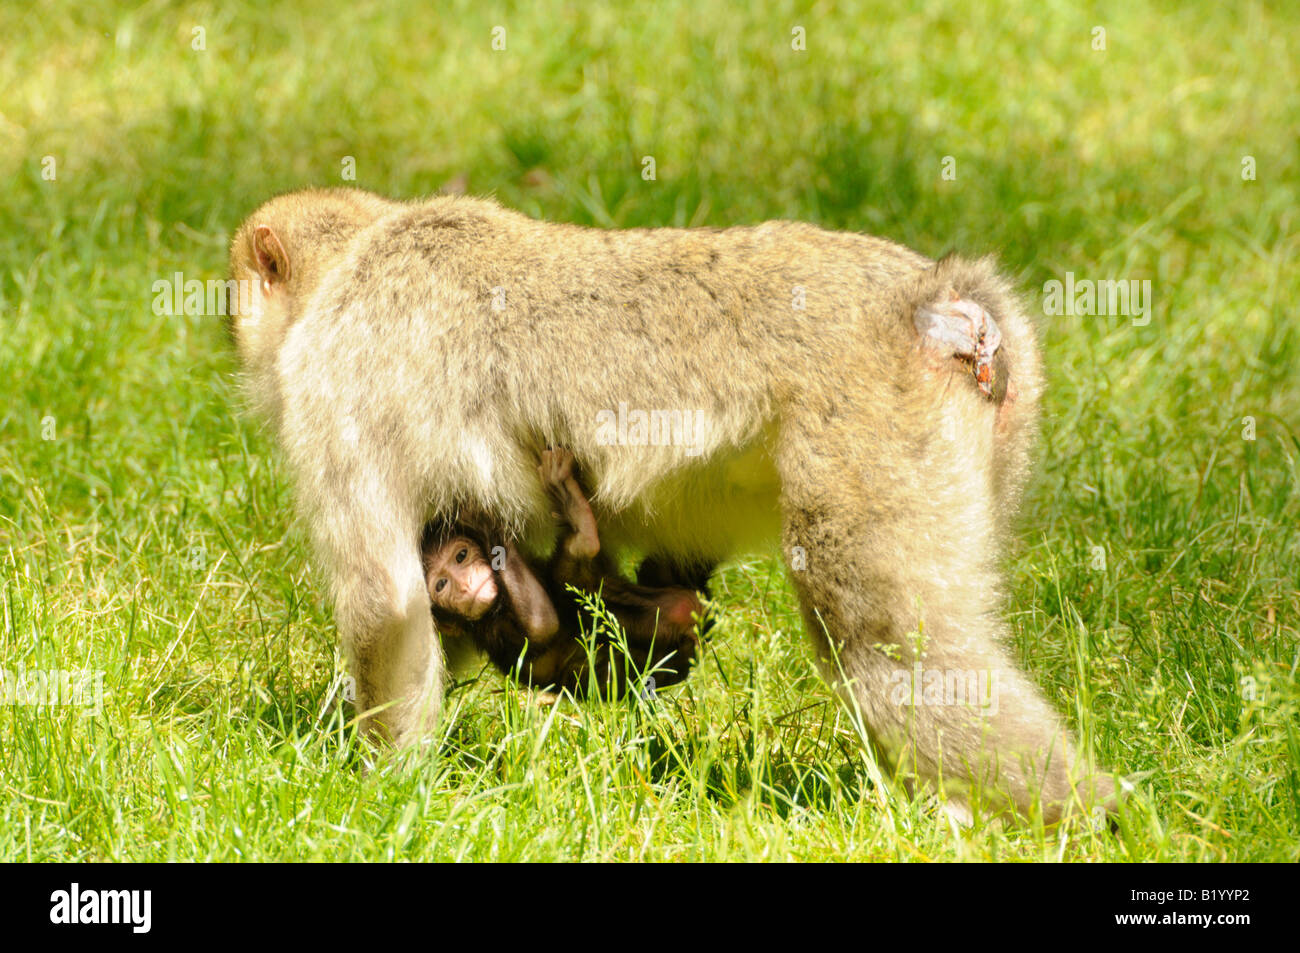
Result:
x=146 y=528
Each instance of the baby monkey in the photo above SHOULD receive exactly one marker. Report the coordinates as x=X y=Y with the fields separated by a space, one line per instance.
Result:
x=524 y=628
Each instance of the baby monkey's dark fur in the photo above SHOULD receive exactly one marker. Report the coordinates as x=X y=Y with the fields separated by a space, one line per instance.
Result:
x=581 y=656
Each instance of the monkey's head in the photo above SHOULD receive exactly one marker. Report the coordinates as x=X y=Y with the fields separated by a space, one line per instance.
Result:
x=460 y=580
x=278 y=257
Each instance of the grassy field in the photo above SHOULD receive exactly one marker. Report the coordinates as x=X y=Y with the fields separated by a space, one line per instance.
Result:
x=146 y=528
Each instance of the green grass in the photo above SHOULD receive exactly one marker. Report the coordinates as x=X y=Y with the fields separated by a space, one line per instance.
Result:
x=152 y=537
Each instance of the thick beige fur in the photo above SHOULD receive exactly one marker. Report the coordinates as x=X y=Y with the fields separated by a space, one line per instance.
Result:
x=420 y=355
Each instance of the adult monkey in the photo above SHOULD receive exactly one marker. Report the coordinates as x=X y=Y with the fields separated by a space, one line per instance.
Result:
x=414 y=359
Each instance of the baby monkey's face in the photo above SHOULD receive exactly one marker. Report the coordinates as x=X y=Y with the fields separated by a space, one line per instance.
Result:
x=460 y=580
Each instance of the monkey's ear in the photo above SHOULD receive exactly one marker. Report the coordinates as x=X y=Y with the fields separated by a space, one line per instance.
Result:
x=272 y=259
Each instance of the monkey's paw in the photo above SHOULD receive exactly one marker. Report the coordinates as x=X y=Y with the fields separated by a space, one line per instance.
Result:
x=556 y=467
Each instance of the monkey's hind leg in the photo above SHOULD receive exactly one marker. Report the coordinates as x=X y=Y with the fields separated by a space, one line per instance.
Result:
x=967 y=318
x=900 y=593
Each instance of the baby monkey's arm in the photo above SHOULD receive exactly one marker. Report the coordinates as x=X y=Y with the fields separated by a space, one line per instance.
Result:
x=575 y=561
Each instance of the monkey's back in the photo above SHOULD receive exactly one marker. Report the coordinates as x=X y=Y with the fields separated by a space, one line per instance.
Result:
x=513 y=334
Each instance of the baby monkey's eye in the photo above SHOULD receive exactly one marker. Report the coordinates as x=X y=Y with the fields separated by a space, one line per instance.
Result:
x=460 y=556
x=440 y=585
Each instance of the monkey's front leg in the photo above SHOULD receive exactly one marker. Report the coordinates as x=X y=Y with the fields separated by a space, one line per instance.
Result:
x=381 y=605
